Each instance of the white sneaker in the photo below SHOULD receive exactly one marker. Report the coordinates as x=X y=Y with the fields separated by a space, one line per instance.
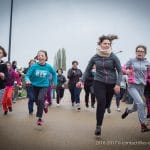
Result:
x=57 y=105
x=14 y=101
x=78 y=107
x=118 y=109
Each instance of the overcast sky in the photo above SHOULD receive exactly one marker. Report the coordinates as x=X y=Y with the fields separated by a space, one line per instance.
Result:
x=74 y=25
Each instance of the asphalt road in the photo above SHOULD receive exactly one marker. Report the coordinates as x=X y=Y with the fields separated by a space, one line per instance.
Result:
x=66 y=128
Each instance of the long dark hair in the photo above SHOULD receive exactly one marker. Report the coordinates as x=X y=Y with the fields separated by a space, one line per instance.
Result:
x=109 y=37
x=4 y=52
x=14 y=64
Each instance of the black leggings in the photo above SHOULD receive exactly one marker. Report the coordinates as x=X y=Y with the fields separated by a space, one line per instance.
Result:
x=87 y=90
x=119 y=96
x=60 y=94
x=39 y=93
x=104 y=93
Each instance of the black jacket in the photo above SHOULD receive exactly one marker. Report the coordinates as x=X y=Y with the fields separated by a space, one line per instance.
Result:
x=3 y=69
x=73 y=76
x=60 y=81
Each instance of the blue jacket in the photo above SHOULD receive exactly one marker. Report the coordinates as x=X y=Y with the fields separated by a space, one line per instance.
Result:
x=39 y=75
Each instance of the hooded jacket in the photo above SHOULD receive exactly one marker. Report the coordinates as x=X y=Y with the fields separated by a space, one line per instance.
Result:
x=108 y=69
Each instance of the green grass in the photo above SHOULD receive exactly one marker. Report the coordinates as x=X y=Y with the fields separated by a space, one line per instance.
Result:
x=23 y=93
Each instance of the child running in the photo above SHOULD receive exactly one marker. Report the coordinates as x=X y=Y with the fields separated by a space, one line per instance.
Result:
x=60 y=86
x=7 y=98
x=89 y=88
x=29 y=89
x=38 y=75
x=3 y=73
x=74 y=74
x=137 y=73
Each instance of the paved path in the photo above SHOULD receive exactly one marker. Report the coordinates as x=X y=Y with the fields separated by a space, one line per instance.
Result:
x=65 y=128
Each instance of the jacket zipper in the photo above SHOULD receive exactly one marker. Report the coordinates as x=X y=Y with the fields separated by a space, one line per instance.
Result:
x=106 y=78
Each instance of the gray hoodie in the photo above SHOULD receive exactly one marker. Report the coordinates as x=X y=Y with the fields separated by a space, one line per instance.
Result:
x=108 y=69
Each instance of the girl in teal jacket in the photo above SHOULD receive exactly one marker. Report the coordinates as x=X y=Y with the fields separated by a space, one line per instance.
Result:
x=38 y=75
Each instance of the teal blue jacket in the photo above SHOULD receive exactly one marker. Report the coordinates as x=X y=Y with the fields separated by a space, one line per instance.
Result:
x=39 y=75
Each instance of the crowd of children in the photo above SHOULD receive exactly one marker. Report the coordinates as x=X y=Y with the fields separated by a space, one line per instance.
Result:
x=100 y=80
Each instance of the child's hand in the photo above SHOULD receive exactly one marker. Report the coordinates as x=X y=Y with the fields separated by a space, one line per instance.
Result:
x=28 y=83
x=79 y=84
x=117 y=89
x=53 y=86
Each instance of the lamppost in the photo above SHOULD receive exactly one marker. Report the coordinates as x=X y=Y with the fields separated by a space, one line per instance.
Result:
x=10 y=31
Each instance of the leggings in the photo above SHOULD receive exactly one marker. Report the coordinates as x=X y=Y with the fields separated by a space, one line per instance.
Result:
x=104 y=93
x=39 y=93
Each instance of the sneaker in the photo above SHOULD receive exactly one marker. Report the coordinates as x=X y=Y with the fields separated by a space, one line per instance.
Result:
x=144 y=128
x=5 y=112
x=108 y=110
x=72 y=104
x=118 y=109
x=87 y=105
x=78 y=108
x=10 y=109
x=92 y=106
x=39 y=122
x=14 y=102
x=57 y=105
x=46 y=109
x=30 y=113
x=125 y=114
x=50 y=104
x=98 y=131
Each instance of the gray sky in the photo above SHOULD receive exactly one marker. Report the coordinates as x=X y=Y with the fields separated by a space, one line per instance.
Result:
x=74 y=25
